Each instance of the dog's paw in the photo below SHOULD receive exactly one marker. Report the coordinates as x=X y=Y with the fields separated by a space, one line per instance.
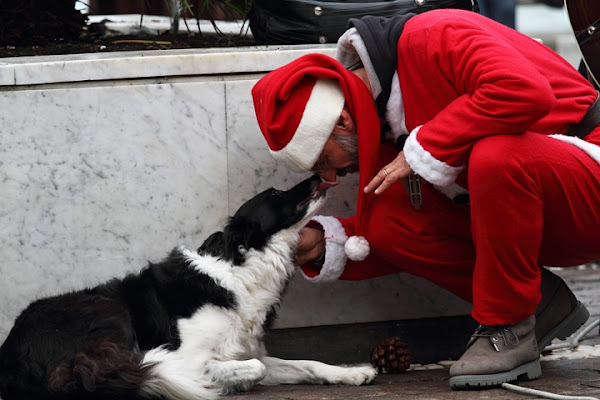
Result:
x=357 y=376
x=254 y=370
x=236 y=375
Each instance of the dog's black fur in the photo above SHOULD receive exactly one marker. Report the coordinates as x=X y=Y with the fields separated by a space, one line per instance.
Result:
x=89 y=344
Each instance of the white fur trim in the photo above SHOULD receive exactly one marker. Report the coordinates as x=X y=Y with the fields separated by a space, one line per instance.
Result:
x=357 y=248
x=335 y=255
x=425 y=164
x=452 y=190
x=320 y=115
x=351 y=52
x=591 y=149
x=394 y=109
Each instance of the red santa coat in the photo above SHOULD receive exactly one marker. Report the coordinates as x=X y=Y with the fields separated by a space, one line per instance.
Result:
x=475 y=97
x=465 y=77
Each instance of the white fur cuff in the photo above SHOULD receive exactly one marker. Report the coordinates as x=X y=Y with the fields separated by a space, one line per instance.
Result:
x=591 y=149
x=425 y=164
x=335 y=255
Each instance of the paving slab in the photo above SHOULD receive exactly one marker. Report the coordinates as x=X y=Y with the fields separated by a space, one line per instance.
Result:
x=568 y=372
x=565 y=377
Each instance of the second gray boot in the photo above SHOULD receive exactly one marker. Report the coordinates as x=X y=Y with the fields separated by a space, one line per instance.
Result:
x=559 y=314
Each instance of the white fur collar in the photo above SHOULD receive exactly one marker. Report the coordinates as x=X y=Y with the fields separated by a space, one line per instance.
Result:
x=394 y=110
x=352 y=54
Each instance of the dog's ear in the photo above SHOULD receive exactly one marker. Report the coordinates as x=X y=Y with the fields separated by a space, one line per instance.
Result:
x=239 y=236
x=214 y=245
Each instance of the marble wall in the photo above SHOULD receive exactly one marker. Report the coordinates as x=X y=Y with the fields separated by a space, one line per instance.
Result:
x=110 y=160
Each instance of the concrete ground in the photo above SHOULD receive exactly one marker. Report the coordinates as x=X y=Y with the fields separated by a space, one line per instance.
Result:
x=567 y=372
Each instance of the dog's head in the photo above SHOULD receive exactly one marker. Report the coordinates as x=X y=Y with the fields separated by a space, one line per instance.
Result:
x=265 y=215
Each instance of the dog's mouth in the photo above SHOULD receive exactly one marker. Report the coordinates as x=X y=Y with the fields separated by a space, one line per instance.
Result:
x=319 y=191
x=323 y=187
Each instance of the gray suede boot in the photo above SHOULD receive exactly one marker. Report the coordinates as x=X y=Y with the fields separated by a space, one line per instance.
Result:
x=559 y=314
x=498 y=354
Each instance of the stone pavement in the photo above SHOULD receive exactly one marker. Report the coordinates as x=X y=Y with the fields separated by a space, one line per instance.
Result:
x=567 y=372
x=572 y=377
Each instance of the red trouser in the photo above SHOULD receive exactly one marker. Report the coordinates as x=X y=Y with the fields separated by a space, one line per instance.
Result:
x=535 y=201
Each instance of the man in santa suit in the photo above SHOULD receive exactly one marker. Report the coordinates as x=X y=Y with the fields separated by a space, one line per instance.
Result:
x=499 y=137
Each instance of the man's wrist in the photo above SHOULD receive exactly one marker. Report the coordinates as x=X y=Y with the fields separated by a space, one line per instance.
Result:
x=318 y=262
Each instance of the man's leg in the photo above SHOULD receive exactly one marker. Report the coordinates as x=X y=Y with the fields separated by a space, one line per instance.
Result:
x=533 y=202
x=435 y=243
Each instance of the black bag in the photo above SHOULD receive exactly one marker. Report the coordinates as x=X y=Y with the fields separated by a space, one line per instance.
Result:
x=324 y=21
x=552 y=3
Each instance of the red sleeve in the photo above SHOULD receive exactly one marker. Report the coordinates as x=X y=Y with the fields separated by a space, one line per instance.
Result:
x=477 y=85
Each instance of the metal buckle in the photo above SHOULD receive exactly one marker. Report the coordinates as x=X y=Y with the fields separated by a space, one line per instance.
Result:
x=414 y=185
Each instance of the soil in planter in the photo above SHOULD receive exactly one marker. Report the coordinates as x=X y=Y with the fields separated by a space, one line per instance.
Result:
x=47 y=46
x=32 y=28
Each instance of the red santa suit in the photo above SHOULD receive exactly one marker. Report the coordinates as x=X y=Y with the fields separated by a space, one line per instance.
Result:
x=485 y=109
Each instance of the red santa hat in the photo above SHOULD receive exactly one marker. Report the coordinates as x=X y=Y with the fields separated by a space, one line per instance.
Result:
x=297 y=107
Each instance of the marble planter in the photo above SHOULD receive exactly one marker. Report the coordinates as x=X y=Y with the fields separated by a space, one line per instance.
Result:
x=110 y=160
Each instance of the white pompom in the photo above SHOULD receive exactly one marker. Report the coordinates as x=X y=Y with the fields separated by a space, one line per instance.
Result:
x=357 y=248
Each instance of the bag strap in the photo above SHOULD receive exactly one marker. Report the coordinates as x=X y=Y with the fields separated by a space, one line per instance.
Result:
x=585 y=22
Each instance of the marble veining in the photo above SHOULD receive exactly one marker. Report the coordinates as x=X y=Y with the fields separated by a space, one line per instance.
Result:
x=100 y=180
x=99 y=177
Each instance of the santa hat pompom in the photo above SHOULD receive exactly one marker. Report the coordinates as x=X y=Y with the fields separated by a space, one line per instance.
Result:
x=357 y=248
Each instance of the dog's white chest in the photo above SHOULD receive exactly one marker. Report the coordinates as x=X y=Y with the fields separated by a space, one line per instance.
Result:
x=221 y=333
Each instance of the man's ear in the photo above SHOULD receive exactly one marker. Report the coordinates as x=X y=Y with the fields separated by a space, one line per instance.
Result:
x=345 y=124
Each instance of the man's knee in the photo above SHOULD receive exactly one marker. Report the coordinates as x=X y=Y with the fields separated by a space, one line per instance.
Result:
x=498 y=161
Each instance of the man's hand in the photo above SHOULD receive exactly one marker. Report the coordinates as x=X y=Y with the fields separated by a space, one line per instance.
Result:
x=397 y=169
x=311 y=245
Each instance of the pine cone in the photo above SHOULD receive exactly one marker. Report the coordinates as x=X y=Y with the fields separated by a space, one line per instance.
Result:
x=390 y=355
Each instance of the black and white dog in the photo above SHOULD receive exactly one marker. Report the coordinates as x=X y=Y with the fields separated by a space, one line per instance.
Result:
x=189 y=327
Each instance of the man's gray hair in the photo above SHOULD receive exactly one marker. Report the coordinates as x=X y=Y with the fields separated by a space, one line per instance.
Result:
x=349 y=143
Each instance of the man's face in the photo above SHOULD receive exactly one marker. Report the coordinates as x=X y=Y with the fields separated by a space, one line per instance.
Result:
x=335 y=160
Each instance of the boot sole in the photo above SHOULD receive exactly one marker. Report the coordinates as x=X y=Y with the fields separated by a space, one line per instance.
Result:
x=531 y=370
x=567 y=327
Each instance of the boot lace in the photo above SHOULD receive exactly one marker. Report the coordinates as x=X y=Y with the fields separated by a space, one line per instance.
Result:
x=494 y=333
